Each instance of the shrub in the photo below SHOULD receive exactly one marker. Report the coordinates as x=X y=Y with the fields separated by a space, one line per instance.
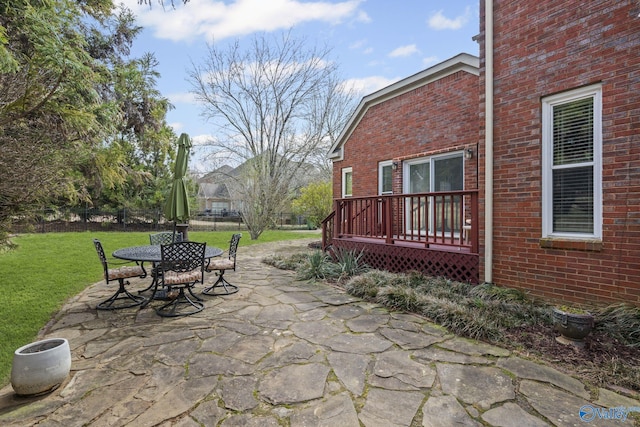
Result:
x=349 y=263
x=621 y=321
x=480 y=312
x=317 y=265
x=366 y=285
x=401 y=297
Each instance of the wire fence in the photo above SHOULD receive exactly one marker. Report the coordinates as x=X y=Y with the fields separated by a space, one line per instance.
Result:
x=89 y=219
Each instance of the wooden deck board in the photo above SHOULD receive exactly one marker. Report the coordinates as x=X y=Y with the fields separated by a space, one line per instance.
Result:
x=434 y=245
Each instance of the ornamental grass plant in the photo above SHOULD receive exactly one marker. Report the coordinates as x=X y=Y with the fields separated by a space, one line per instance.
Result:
x=478 y=312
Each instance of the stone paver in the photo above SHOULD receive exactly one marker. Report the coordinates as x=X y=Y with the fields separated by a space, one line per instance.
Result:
x=446 y=411
x=510 y=414
x=471 y=384
x=530 y=370
x=283 y=352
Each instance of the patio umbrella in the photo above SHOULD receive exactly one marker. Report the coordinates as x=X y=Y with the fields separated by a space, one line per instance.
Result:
x=176 y=207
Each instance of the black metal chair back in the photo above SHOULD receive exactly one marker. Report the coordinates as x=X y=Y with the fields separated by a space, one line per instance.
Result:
x=103 y=258
x=233 y=248
x=182 y=266
x=120 y=274
x=181 y=257
x=164 y=238
x=222 y=265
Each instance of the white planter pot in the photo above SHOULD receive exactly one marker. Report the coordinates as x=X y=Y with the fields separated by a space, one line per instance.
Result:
x=40 y=367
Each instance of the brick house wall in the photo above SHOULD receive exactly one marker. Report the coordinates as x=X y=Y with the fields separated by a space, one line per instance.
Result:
x=438 y=117
x=543 y=48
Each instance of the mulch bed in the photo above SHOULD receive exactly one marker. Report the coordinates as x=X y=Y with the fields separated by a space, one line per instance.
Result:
x=602 y=362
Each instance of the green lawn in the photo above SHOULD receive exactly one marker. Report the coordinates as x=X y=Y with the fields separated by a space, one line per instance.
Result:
x=45 y=270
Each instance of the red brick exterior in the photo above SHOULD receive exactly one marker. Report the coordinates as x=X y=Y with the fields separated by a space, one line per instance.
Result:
x=540 y=48
x=543 y=48
x=438 y=117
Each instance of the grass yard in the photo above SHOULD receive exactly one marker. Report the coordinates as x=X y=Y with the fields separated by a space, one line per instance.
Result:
x=44 y=270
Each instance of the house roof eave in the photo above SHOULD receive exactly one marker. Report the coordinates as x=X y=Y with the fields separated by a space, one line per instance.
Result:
x=461 y=62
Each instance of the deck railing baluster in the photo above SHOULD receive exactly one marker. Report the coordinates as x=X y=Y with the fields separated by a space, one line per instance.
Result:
x=447 y=219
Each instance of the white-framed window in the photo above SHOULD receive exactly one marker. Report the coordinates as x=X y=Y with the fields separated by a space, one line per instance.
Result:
x=347 y=182
x=433 y=174
x=438 y=173
x=385 y=177
x=572 y=164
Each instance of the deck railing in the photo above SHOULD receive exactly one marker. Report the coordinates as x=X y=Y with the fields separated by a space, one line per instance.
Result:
x=448 y=220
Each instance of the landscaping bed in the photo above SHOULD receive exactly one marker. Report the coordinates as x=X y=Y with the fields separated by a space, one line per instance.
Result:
x=505 y=317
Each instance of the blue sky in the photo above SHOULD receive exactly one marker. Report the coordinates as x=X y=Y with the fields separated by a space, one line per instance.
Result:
x=374 y=42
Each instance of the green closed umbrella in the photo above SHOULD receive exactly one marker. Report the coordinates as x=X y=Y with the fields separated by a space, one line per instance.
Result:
x=176 y=207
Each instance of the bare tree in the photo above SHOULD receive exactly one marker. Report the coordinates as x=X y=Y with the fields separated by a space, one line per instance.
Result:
x=274 y=107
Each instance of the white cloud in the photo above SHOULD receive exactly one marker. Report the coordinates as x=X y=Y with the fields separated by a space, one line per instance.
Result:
x=221 y=20
x=363 y=17
x=438 y=21
x=176 y=126
x=365 y=86
x=404 y=51
x=205 y=139
x=182 y=98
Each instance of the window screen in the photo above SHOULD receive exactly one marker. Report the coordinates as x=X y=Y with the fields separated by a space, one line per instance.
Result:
x=386 y=183
x=347 y=184
x=573 y=153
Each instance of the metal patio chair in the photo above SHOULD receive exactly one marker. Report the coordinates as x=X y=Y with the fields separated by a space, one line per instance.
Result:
x=182 y=266
x=164 y=238
x=120 y=274
x=160 y=238
x=220 y=266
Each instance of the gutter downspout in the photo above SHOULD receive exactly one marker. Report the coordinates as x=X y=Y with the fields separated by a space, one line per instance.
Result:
x=488 y=140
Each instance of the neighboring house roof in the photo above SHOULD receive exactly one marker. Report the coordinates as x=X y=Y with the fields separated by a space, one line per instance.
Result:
x=217 y=185
x=213 y=191
x=213 y=186
x=220 y=174
x=460 y=62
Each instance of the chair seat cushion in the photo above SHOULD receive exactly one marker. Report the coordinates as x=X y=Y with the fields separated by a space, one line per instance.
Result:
x=173 y=278
x=220 y=264
x=125 y=272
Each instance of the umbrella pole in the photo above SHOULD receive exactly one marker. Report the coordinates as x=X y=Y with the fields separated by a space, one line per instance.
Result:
x=183 y=229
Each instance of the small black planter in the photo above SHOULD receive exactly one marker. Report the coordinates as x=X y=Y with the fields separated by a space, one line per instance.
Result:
x=573 y=327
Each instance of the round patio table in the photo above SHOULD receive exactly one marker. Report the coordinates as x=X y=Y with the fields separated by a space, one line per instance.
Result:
x=153 y=254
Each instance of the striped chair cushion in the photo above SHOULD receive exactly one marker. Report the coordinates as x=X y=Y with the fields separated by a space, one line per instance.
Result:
x=173 y=278
x=220 y=264
x=124 y=272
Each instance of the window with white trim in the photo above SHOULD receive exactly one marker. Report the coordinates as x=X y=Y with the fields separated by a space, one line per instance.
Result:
x=572 y=164
x=385 y=177
x=437 y=173
x=347 y=182
x=440 y=173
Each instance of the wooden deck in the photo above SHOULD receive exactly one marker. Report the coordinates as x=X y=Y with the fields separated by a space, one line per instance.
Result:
x=427 y=242
x=435 y=233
